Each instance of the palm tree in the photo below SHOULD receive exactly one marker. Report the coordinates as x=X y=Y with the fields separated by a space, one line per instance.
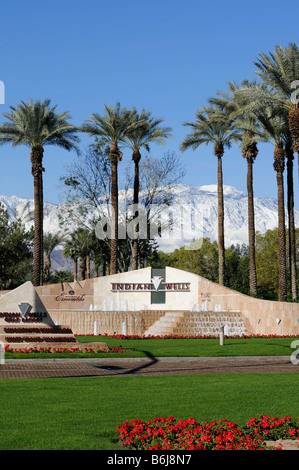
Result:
x=100 y=252
x=51 y=241
x=278 y=103
x=140 y=136
x=111 y=129
x=274 y=129
x=291 y=218
x=250 y=152
x=24 y=215
x=279 y=166
x=214 y=126
x=247 y=125
x=35 y=124
x=70 y=250
x=279 y=70
x=79 y=247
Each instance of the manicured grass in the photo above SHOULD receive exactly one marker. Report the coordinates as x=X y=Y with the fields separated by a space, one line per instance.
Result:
x=199 y=347
x=177 y=348
x=82 y=413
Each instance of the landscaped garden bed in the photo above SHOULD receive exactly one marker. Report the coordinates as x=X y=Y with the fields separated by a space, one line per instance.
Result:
x=121 y=336
x=165 y=346
x=81 y=349
x=172 y=434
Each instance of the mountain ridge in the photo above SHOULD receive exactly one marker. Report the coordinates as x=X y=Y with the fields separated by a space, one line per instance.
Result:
x=202 y=200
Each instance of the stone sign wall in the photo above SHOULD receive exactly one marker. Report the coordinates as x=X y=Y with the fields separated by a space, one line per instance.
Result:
x=68 y=296
x=135 y=300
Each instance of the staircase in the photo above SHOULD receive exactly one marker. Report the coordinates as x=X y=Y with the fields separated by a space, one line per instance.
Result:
x=187 y=323
x=166 y=325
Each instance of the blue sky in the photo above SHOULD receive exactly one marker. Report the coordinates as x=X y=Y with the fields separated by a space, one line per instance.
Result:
x=166 y=56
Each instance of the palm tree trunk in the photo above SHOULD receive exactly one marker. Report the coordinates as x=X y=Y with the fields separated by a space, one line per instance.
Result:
x=135 y=242
x=36 y=157
x=221 y=249
x=292 y=232
x=75 y=269
x=279 y=165
x=88 y=267
x=82 y=267
x=47 y=267
x=251 y=229
x=294 y=127
x=114 y=155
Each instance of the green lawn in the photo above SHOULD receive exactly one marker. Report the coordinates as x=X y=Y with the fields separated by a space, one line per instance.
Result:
x=82 y=413
x=180 y=347
x=201 y=347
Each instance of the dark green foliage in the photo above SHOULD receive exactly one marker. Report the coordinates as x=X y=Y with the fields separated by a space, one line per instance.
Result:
x=237 y=268
x=62 y=276
x=15 y=252
x=204 y=262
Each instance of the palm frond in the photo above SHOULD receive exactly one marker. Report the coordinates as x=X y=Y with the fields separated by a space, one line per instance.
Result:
x=37 y=124
x=279 y=69
x=213 y=124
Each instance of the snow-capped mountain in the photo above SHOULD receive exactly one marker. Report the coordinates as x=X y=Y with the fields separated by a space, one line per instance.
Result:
x=194 y=211
x=203 y=201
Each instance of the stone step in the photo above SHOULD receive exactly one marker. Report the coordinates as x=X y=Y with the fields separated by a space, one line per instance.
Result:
x=166 y=324
x=198 y=323
x=175 y=314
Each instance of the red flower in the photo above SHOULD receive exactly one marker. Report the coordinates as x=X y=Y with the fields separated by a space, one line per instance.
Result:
x=168 y=434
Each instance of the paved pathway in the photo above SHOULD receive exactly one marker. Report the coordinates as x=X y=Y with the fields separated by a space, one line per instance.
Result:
x=47 y=368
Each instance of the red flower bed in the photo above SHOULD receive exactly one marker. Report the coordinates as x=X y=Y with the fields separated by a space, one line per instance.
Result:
x=170 y=434
x=120 y=336
x=49 y=349
x=273 y=428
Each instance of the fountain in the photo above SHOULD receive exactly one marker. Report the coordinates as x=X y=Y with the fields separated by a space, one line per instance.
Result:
x=209 y=323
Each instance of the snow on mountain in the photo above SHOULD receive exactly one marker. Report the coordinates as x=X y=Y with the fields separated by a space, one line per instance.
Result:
x=204 y=201
x=194 y=211
x=22 y=208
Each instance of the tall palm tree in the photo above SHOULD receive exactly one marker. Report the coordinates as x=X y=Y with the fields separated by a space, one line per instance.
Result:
x=111 y=129
x=214 y=126
x=35 y=124
x=291 y=219
x=279 y=166
x=279 y=70
x=140 y=136
x=246 y=123
x=278 y=103
x=274 y=129
x=250 y=152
